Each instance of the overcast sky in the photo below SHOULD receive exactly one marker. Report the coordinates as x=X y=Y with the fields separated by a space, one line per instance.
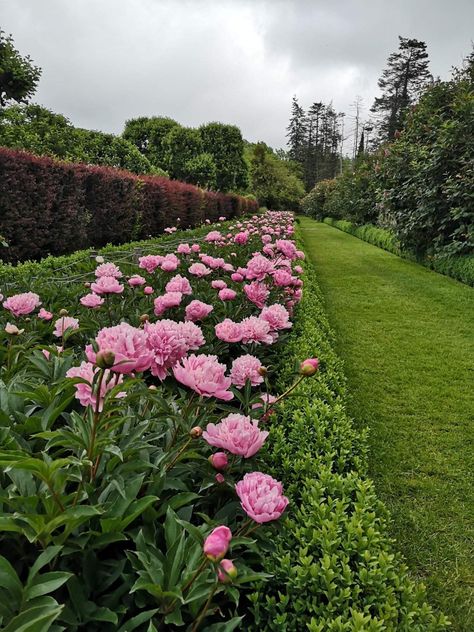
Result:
x=240 y=62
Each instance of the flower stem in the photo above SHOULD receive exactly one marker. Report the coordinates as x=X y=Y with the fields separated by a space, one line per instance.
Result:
x=205 y=608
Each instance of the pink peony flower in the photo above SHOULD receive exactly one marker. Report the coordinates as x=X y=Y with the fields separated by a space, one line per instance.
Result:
x=136 y=280
x=166 y=341
x=217 y=543
x=277 y=317
x=169 y=263
x=256 y=330
x=205 y=375
x=195 y=248
x=282 y=278
x=44 y=315
x=64 y=323
x=257 y=293
x=214 y=235
x=199 y=270
x=107 y=285
x=245 y=368
x=242 y=238
x=183 y=249
x=109 y=270
x=150 y=262
x=287 y=248
x=22 y=304
x=179 y=284
x=218 y=284
x=168 y=300
x=85 y=392
x=266 y=400
x=129 y=344
x=226 y=294
x=261 y=497
x=148 y=290
x=91 y=300
x=258 y=267
x=237 y=434
x=197 y=310
x=192 y=335
x=228 y=331
x=237 y=277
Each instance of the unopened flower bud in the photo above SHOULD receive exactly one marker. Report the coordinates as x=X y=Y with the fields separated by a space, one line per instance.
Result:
x=219 y=478
x=227 y=571
x=195 y=432
x=13 y=330
x=144 y=318
x=152 y=387
x=87 y=284
x=219 y=460
x=105 y=359
x=262 y=371
x=217 y=543
x=100 y=259
x=63 y=312
x=309 y=366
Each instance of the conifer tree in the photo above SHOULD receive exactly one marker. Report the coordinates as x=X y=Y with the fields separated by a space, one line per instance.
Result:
x=401 y=83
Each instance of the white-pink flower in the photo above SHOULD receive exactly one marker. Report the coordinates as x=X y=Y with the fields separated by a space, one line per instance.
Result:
x=107 y=285
x=205 y=375
x=109 y=270
x=197 y=310
x=91 y=300
x=64 y=323
x=237 y=434
x=22 y=304
x=246 y=367
x=261 y=497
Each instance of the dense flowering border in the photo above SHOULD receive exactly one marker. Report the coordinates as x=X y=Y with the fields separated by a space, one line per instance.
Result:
x=165 y=363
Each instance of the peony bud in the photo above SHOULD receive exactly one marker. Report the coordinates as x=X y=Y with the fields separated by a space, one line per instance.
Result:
x=309 y=366
x=227 y=571
x=13 y=330
x=219 y=478
x=148 y=290
x=100 y=259
x=105 y=359
x=63 y=312
x=217 y=543
x=219 y=460
x=195 y=432
x=262 y=371
x=144 y=318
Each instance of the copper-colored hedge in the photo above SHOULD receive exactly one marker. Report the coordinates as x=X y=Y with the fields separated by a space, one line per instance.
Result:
x=51 y=207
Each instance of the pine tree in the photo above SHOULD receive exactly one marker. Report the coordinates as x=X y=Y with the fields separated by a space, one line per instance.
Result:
x=401 y=83
x=297 y=130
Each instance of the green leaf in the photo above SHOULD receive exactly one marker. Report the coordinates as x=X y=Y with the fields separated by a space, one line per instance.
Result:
x=9 y=579
x=35 y=619
x=132 y=624
x=46 y=583
x=45 y=558
x=227 y=626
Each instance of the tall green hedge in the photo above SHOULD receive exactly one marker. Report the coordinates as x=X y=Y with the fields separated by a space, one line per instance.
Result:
x=334 y=565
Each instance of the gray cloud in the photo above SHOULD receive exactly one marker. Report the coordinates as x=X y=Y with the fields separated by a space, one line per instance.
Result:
x=233 y=61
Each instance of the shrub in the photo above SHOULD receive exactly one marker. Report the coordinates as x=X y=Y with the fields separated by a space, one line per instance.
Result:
x=49 y=207
x=314 y=204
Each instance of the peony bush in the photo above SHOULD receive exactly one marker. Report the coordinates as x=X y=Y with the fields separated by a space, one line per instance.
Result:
x=136 y=398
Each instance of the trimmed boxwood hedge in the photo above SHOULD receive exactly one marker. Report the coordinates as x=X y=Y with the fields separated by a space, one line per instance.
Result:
x=459 y=267
x=334 y=565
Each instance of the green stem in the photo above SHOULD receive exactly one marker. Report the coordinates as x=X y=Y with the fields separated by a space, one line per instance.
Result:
x=95 y=424
x=288 y=390
x=202 y=614
x=180 y=452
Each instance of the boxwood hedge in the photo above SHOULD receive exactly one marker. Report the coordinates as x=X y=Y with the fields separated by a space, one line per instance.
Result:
x=334 y=565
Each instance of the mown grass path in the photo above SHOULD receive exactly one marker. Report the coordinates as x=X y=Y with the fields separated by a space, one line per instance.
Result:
x=406 y=336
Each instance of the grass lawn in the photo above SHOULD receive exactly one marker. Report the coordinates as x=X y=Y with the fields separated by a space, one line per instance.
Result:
x=406 y=336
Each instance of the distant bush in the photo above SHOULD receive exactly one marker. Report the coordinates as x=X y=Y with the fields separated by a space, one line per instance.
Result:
x=38 y=130
x=51 y=207
x=314 y=203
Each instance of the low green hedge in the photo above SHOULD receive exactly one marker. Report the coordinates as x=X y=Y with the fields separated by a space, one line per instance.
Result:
x=459 y=267
x=333 y=563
